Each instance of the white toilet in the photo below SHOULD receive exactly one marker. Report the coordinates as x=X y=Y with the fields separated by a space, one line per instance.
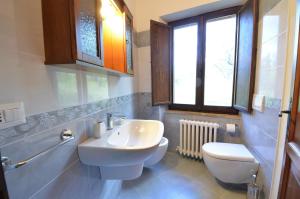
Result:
x=230 y=163
x=158 y=154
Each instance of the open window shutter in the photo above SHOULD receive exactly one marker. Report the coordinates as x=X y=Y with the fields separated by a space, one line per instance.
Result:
x=160 y=62
x=246 y=56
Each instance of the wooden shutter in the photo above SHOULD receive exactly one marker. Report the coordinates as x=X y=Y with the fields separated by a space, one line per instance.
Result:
x=160 y=62
x=246 y=56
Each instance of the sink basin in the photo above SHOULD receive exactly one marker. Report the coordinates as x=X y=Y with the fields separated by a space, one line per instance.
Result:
x=120 y=153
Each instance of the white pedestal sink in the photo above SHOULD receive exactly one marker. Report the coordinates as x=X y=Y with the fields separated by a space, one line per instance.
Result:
x=120 y=153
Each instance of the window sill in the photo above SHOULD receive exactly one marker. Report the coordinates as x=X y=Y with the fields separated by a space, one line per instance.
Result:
x=204 y=109
x=206 y=114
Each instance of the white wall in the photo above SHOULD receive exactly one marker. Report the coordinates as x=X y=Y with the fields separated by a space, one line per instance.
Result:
x=144 y=69
x=290 y=63
x=154 y=9
x=271 y=52
x=24 y=77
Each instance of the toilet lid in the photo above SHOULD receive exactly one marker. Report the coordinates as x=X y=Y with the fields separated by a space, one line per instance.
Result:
x=228 y=151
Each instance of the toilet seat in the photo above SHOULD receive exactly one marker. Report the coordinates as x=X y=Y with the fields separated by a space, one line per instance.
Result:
x=230 y=163
x=228 y=151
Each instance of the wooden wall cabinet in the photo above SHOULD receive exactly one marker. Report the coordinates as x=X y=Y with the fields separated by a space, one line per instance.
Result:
x=117 y=38
x=114 y=40
x=76 y=32
x=72 y=31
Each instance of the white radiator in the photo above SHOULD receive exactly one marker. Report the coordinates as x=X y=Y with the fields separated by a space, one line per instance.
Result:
x=194 y=134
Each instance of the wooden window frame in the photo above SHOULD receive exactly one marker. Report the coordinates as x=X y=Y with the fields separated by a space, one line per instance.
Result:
x=200 y=71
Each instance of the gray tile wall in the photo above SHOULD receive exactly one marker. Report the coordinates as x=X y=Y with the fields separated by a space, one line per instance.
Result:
x=145 y=110
x=59 y=174
x=259 y=132
x=171 y=122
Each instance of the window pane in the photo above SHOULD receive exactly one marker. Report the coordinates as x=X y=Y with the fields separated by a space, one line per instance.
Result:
x=219 y=61
x=185 y=64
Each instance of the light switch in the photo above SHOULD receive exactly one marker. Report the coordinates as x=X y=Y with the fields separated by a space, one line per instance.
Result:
x=2 y=120
x=258 y=102
x=18 y=114
x=12 y=114
x=9 y=115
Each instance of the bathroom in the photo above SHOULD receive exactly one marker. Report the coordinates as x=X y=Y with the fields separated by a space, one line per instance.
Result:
x=137 y=99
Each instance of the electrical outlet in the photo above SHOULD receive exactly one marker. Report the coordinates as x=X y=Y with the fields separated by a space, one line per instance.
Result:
x=2 y=117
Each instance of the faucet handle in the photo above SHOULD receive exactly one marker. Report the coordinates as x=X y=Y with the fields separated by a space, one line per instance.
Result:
x=116 y=114
x=122 y=117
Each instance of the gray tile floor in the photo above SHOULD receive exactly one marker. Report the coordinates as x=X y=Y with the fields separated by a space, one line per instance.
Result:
x=176 y=177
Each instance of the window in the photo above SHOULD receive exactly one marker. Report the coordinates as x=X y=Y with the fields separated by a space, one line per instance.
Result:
x=219 y=61
x=203 y=62
x=185 y=64
x=207 y=62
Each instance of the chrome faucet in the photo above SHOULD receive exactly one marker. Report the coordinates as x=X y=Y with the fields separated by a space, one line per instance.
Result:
x=110 y=119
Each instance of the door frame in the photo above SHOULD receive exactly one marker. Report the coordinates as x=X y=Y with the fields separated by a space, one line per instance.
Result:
x=3 y=187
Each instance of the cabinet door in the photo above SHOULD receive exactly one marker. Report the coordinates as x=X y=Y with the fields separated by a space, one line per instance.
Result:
x=88 y=31
x=118 y=43
x=128 y=40
x=114 y=39
x=107 y=44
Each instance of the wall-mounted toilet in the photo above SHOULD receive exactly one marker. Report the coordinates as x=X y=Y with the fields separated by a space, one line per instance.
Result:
x=158 y=154
x=230 y=163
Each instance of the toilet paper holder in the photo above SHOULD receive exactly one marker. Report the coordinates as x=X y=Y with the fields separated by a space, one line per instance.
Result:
x=231 y=128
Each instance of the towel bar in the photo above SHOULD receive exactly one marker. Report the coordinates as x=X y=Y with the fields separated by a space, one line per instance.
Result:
x=66 y=136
